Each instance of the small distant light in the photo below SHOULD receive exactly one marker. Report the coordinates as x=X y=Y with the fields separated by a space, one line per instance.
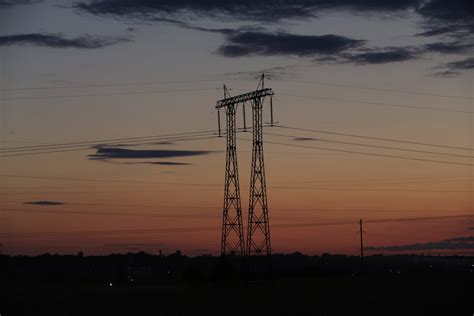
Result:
x=110 y=284
x=131 y=280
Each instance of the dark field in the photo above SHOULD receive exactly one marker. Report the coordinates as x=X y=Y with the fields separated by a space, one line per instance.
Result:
x=300 y=285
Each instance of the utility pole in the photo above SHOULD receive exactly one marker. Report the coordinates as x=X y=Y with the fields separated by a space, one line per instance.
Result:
x=271 y=112
x=361 y=232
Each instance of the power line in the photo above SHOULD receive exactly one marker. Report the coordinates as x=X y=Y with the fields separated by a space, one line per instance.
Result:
x=85 y=147
x=147 y=214
x=102 y=141
x=368 y=154
x=152 y=137
x=376 y=221
x=376 y=103
x=211 y=89
x=207 y=207
x=371 y=189
x=426 y=218
x=87 y=233
x=106 y=94
x=105 y=180
x=117 y=84
x=132 y=205
x=105 y=192
x=45 y=152
x=374 y=138
x=214 y=228
x=336 y=180
x=408 y=181
x=98 y=85
x=426 y=180
x=197 y=133
x=270 y=187
x=99 y=213
x=376 y=146
x=207 y=185
x=375 y=89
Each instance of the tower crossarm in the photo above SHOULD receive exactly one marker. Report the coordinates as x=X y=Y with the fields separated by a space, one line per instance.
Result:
x=244 y=97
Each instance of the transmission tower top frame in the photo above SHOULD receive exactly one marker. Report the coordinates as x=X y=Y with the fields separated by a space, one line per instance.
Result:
x=241 y=98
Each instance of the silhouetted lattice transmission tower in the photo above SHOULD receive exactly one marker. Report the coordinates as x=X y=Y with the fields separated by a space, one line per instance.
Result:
x=258 y=240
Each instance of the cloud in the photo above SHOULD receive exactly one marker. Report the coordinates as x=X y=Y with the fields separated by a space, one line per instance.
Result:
x=110 y=145
x=303 y=139
x=263 y=10
x=269 y=44
x=236 y=9
x=454 y=30
x=162 y=163
x=163 y=143
x=104 y=145
x=448 y=10
x=447 y=73
x=170 y=163
x=8 y=3
x=44 y=203
x=121 y=153
x=58 y=41
x=455 y=67
x=456 y=47
x=452 y=19
x=383 y=55
x=467 y=63
x=452 y=243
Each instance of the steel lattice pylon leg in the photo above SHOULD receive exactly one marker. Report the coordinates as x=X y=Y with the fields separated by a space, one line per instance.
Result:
x=232 y=229
x=258 y=229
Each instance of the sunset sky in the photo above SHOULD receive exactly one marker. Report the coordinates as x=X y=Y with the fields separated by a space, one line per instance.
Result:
x=108 y=70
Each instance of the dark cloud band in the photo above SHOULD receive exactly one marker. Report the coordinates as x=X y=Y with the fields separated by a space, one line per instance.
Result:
x=160 y=163
x=268 y=44
x=383 y=55
x=121 y=153
x=464 y=64
x=263 y=10
x=49 y=203
x=449 y=47
x=59 y=41
x=453 y=19
x=9 y=3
